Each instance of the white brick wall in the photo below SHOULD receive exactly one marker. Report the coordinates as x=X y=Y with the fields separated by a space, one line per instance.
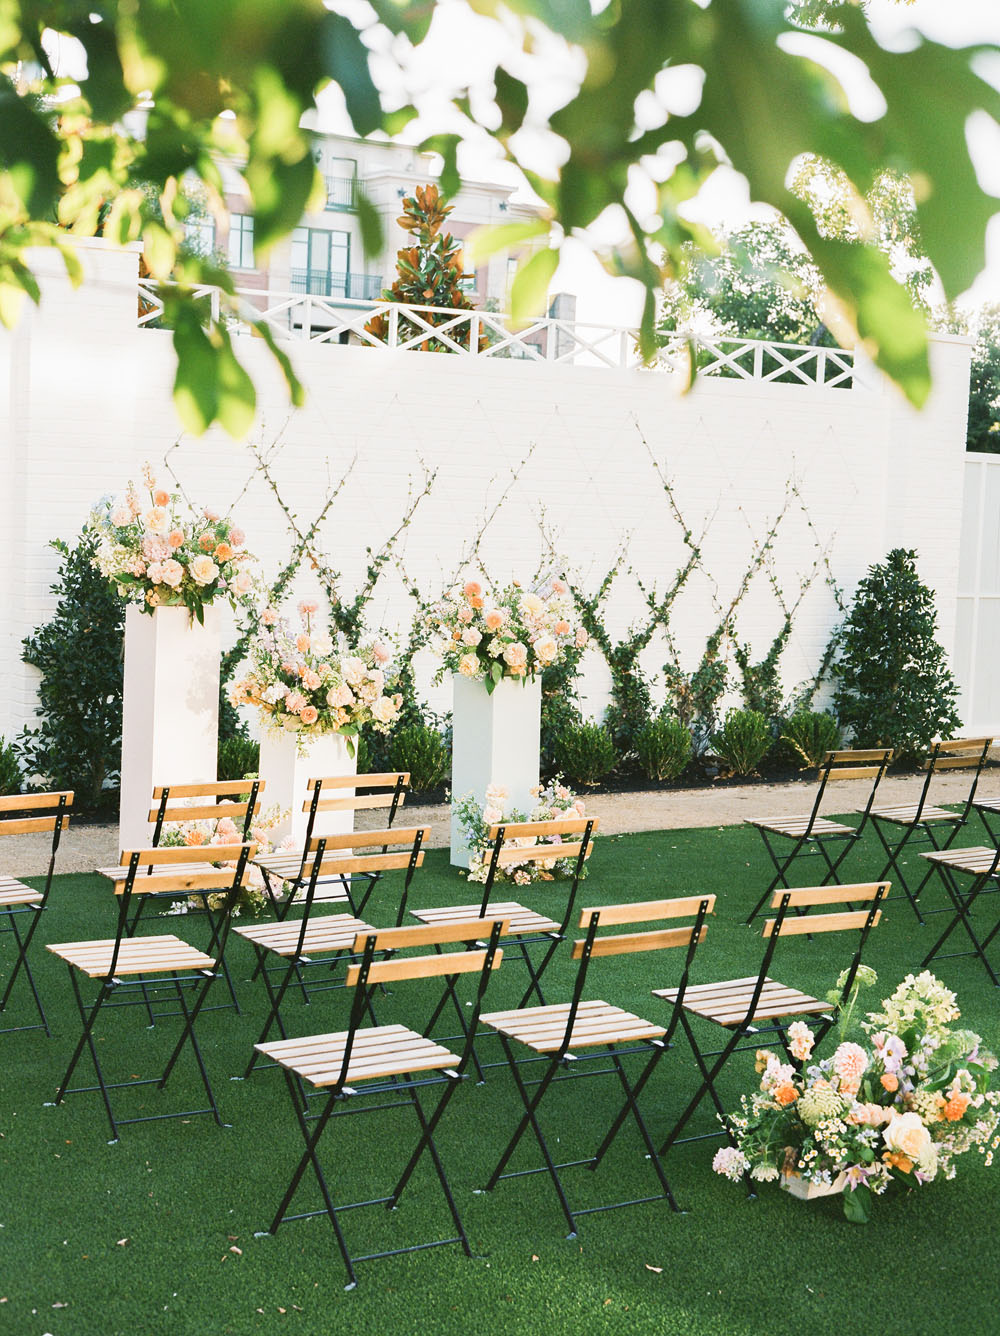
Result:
x=85 y=399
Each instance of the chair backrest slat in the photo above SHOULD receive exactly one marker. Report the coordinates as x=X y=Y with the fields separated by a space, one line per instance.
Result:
x=223 y=788
x=170 y=815
x=805 y=896
x=214 y=853
x=855 y=772
x=643 y=911
x=29 y=802
x=343 y=865
x=387 y=779
x=540 y=853
x=432 y=934
x=370 y=839
x=423 y=967
x=809 y=923
x=356 y=804
x=855 y=756
x=29 y=825
x=627 y=943
x=181 y=883
x=519 y=830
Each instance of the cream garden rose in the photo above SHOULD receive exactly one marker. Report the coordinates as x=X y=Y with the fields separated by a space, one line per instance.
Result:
x=907 y=1133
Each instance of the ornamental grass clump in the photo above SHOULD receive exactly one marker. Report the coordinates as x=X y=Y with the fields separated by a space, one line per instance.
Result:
x=900 y=1108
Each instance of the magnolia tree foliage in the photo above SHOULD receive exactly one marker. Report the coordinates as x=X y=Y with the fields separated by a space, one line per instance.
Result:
x=767 y=97
x=984 y=387
x=893 y=684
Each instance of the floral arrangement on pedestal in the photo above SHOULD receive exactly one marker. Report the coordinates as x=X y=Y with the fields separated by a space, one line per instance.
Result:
x=159 y=553
x=205 y=834
x=513 y=632
x=553 y=801
x=902 y=1107
x=303 y=682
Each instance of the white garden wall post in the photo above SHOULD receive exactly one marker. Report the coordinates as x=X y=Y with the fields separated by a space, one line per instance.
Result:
x=286 y=773
x=170 y=710
x=495 y=740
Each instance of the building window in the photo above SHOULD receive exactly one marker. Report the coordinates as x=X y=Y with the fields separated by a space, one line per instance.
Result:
x=241 y=241
x=321 y=262
x=199 y=235
x=341 y=183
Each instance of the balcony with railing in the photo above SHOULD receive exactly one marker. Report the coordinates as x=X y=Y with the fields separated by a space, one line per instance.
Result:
x=328 y=283
x=341 y=193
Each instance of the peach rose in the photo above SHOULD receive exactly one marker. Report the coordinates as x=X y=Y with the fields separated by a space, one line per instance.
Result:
x=309 y=714
x=156 y=520
x=468 y=665
x=561 y=627
x=161 y=498
x=494 y=619
x=311 y=680
x=381 y=654
x=302 y=642
x=340 y=696
x=785 y=1093
x=192 y=838
x=384 y=710
x=155 y=572
x=223 y=552
x=559 y=587
x=268 y=617
x=173 y=573
x=472 y=590
x=295 y=701
x=908 y=1135
x=516 y=655
x=890 y=1082
x=244 y=582
x=203 y=570
x=175 y=537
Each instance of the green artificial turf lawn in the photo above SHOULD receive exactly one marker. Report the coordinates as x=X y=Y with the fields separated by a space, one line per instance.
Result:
x=156 y=1234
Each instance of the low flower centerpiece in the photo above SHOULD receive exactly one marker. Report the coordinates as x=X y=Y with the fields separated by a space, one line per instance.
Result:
x=314 y=696
x=552 y=801
x=203 y=835
x=173 y=565
x=900 y=1108
x=497 y=645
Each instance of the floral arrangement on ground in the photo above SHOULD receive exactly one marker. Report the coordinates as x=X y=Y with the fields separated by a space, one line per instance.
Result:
x=307 y=684
x=902 y=1108
x=552 y=801
x=514 y=632
x=159 y=553
x=205 y=834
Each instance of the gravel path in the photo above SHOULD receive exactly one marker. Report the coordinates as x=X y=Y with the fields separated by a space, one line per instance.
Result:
x=85 y=847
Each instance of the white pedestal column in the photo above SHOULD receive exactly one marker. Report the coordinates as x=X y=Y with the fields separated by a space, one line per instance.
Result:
x=286 y=774
x=495 y=740
x=170 y=713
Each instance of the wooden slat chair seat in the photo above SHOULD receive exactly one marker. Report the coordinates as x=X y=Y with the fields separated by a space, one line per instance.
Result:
x=290 y=868
x=571 y=1037
x=21 y=906
x=982 y=865
x=161 y=973
x=813 y=833
x=899 y=826
x=297 y=950
x=387 y=1066
x=757 y=1010
x=532 y=929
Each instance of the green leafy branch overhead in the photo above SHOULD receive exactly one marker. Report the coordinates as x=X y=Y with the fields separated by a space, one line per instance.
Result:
x=768 y=95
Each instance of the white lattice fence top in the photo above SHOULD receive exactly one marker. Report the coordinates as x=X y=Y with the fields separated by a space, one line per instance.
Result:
x=485 y=334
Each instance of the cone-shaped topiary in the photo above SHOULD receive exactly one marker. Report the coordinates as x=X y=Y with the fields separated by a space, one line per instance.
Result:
x=894 y=687
x=430 y=274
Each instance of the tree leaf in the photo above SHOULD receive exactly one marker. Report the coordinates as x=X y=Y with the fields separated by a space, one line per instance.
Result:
x=370 y=222
x=486 y=241
x=529 y=290
x=344 y=57
x=195 y=384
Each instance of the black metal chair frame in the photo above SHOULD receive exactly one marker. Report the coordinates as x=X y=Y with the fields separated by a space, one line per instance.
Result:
x=293 y=967
x=837 y=765
x=920 y=829
x=389 y=1091
x=566 y=1065
x=19 y=908
x=139 y=990
x=775 y=1033
x=313 y=806
x=962 y=902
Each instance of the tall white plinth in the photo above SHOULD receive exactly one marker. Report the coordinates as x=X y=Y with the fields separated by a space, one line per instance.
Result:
x=495 y=740
x=170 y=710
x=286 y=773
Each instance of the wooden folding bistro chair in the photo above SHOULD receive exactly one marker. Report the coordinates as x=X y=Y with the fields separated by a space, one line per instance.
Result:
x=540 y=842
x=174 y=805
x=902 y=824
x=291 y=949
x=157 y=971
x=814 y=833
x=334 y=793
x=571 y=1036
x=759 y=1008
x=21 y=906
x=982 y=865
x=386 y=1065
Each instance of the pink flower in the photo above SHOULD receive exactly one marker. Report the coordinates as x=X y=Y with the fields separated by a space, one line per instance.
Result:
x=121 y=516
x=161 y=498
x=294 y=702
x=340 y=696
x=380 y=653
x=308 y=606
x=849 y=1062
x=559 y=587
x=237 y=537
x=155 y=572
x=800 y=1040
x=302 y=643
x=268 y=617
x=465 y=615
x=581 y=637
x=155 y=549
x=493 y=619
x=244 y=582
x=516 y=655
x=211 y=515
x=173 y=573
x=311 y=680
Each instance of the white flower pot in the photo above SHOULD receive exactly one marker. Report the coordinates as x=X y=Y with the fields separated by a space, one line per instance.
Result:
x=495 y=740
x=798 y=1186
x=287 y=771
x=170 y=710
